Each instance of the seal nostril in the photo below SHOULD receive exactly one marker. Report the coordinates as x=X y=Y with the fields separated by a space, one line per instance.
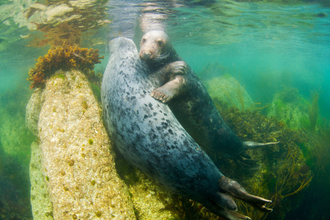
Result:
x=146 y=55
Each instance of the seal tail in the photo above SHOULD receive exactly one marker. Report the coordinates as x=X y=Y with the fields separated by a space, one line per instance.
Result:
x=235 y=189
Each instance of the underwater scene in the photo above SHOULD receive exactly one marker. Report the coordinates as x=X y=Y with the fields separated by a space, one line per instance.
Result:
x=243 y=87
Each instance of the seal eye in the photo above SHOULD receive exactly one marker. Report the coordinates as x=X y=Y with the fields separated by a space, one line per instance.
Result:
x=144 y=40
x=160 y=43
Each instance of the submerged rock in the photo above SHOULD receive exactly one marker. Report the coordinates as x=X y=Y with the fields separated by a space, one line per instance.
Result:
x=33 y=109
x=293 y=112
x=77 y=159
x=42 y=207
x=149 y=199
x=72 y=168
x=228 y=89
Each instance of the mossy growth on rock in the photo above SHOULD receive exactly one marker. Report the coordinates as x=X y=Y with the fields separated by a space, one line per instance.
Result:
x=65 y=57
x=289 y=94
x=288 y=106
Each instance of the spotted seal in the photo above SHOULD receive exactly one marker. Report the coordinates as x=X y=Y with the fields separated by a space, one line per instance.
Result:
x=190 y=102
x=149 y=136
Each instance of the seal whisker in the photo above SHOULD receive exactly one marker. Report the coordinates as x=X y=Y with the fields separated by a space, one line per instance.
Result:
x=161 y=57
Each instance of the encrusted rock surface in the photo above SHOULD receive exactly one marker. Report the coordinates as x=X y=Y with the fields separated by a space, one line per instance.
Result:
x=78 y=166
x=150 y=200
x=72 y=170
x=33 y=109
x=42 y=208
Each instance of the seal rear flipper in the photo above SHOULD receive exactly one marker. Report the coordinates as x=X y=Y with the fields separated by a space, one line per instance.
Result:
x=253 y=145
x=246 y=163
x=235 y=189
x=225 y=200
x=234 y=216
x=220 y=211
x=244 y=160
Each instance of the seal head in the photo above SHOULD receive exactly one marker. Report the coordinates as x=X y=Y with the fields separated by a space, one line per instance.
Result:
x=156 y=48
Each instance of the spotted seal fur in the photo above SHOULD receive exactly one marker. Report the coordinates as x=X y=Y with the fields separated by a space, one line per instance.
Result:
x=149 y=136
x=190 y=102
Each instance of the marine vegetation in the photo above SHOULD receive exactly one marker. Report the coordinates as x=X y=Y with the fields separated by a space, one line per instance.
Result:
x=289 y=94
x=239 y=93
x=317 y=153
x=313 y=111
x=15 y=141
x=290 y=107
x=14 y=188
x=284 y=169
x=65 y=57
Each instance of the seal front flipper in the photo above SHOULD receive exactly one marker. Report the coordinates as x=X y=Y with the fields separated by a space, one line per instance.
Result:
x=174 y=81
x=170 y=90
x=235 y=189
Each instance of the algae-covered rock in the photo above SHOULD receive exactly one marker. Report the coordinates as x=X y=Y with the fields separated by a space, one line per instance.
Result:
x=33 y=109
x=150 y=200
x=42 y=208
x=291 y=110
x=228 y=89
x=77 y=161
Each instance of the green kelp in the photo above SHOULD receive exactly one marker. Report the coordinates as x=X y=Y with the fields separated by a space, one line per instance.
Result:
x=313 y=111
x=317 y=153
x=283 y=171
x=320 y=151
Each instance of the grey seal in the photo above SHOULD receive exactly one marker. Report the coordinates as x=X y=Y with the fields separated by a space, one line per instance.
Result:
x=190 y=102
x=149 y=136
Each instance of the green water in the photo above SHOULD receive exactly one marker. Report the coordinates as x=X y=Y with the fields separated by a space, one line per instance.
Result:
x=273 y=49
